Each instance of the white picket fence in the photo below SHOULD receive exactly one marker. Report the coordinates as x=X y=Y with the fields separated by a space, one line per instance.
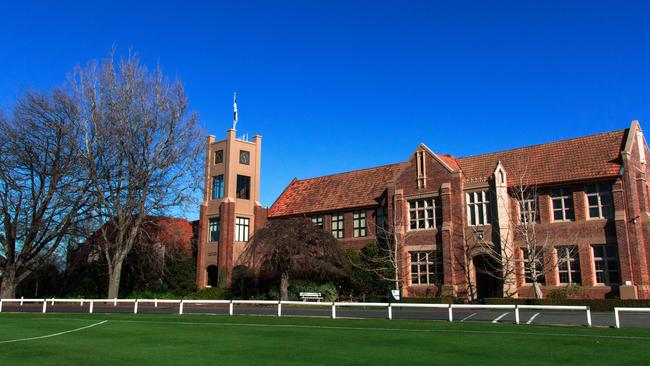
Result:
x=334 y=305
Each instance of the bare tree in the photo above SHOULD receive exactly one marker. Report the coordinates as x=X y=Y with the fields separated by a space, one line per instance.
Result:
x=290 y=248
x=43 y=188
x=388 y=262
x=521 y=231
x=538 y=250
x=385 y=263
x=141 y=150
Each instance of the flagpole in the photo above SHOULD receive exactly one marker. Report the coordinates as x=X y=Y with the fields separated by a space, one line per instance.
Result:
x=234 y=107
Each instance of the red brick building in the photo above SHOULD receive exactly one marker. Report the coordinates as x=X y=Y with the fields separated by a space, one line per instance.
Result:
x=591 y=203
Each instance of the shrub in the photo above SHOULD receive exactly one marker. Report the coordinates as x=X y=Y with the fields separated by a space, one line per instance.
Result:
x=243 y=282
x=429 y=300
x=154 y=295
x=570 y=292
x=364 y=282
x=212 y=293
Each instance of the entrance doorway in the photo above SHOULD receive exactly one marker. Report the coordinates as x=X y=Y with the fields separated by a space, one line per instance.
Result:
x=212 y=275
x=487 y=284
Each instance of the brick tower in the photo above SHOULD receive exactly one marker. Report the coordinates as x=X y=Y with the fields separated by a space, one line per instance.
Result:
x=230 y=211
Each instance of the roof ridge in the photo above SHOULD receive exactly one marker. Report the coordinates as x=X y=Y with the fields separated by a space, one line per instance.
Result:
x=349 y=171
x=541 y=144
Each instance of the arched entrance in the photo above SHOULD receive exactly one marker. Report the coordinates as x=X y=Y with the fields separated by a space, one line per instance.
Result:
x=487 y=284
x=212 y=275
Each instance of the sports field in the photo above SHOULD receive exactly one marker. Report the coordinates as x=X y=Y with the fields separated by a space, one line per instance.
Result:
x=151 y=339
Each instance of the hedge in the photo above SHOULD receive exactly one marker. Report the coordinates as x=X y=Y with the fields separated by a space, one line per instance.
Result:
x=429 y=300
x=594 y=304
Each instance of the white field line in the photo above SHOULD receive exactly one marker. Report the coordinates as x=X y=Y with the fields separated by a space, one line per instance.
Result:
x=54 y=334
x=530 y=321
x=467 y=317
x=328 y=327
x=496 y=320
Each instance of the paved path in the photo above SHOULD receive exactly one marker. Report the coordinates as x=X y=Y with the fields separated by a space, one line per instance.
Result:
x=539 y=317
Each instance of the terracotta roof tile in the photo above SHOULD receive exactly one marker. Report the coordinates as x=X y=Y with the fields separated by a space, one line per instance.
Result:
x=358 y=188
x=582 y=158
x=449 y=160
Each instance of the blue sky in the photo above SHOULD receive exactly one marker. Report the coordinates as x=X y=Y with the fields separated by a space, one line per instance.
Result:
x=340 y=85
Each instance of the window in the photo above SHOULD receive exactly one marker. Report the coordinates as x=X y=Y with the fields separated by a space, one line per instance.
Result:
x=337 y=225
x=606 y=264
x=318 y=221
x=536 y=267
x=568 y=264
x=218 y=157
x=562 y=199
x=599 y=197
x=242 y=225
x=425 y=213
x=243 y=187
x=528 y=211
x=217 y=187
x=426 y=268
x=214 y=229
x=478 y=208
x=381 y=221
x=359 y=224
x=244 y=157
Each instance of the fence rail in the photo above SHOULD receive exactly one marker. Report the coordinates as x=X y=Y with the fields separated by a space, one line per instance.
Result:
x=333 y=305
x=629 y=310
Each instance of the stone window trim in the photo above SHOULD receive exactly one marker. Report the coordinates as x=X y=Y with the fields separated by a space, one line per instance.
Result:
x=527 y=279
x=425 y=213
x=242 y=229
x=598 y=201
x=478 y=207
x=420 y=162
x=217 y=187
x=606 y=267
x=243 y=187
x=214 y=229
x=425 y=268
x=569 y=267
x=562 y=204
x=529 y=210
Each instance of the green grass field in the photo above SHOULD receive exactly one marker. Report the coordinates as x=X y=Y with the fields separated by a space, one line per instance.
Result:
x=35 y=339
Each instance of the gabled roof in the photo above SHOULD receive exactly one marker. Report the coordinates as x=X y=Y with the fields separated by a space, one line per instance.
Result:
x=448 y=161
x=359 y=188
x=577 y=159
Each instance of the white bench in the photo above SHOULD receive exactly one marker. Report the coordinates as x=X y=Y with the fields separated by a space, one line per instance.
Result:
x=311 y=296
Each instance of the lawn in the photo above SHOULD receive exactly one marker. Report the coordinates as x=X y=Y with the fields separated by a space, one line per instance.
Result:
x=149 y=339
